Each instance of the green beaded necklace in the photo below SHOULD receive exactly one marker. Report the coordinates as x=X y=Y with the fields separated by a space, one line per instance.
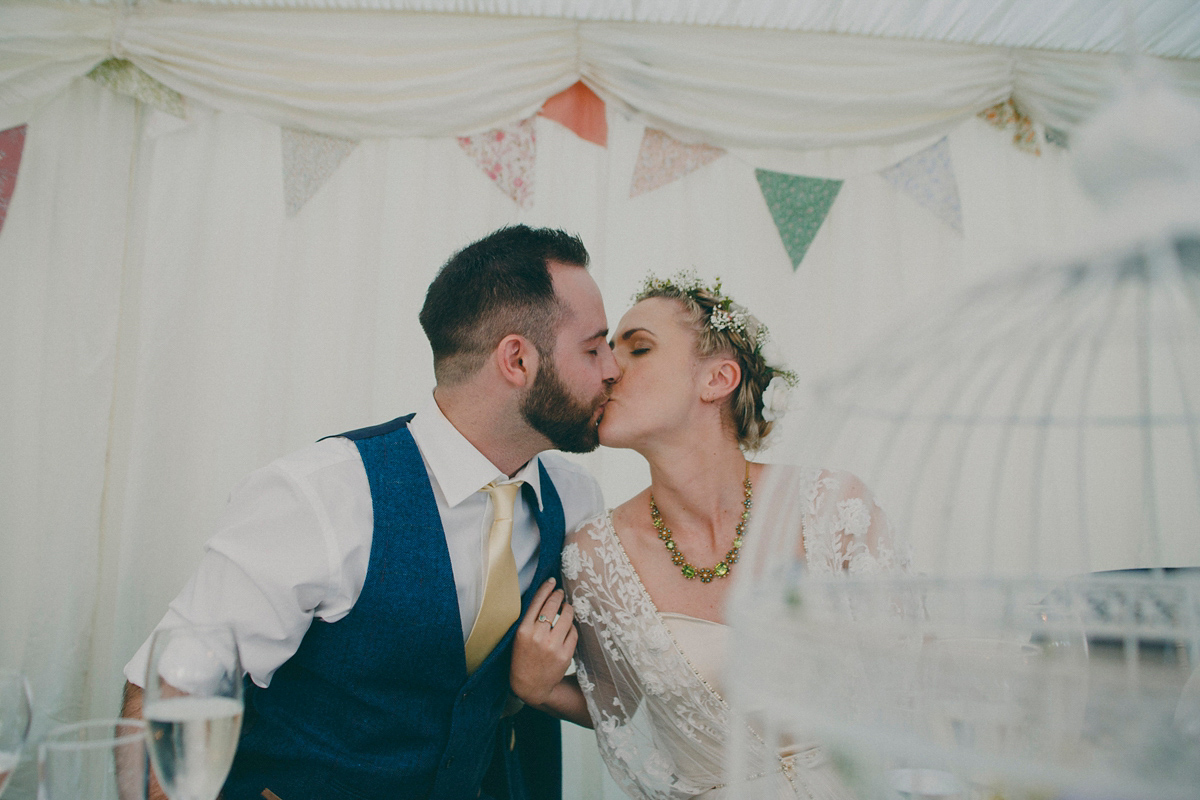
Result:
x=721 y=569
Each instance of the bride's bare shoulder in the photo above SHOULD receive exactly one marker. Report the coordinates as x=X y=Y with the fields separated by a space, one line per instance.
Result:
x=626 y=515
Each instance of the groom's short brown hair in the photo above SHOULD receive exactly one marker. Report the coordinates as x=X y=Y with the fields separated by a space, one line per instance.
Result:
x=494 y=287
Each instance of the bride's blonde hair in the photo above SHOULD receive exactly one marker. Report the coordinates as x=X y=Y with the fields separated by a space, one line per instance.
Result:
x=725 y=327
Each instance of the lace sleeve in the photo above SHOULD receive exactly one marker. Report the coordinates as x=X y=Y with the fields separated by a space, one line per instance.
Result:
x=846 y=530
x=584 y=569
x=659 y=728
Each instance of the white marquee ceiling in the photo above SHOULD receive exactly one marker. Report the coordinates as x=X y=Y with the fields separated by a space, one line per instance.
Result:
x=1166 y=28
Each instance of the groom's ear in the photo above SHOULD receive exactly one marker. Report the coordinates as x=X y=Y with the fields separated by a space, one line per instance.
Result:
x=516 y=360
x=723 y=377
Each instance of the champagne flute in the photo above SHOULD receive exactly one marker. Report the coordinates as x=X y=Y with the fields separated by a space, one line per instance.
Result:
x=16 y=713
x=193 y=709
x=101 y=759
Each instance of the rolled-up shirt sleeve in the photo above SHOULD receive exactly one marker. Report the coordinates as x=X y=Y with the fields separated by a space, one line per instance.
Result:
x=293 y=544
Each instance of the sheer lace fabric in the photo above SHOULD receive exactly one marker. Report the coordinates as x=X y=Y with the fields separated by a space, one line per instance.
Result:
x=660 y=725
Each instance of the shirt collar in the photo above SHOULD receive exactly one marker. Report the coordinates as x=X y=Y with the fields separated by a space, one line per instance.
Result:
x=457 y=466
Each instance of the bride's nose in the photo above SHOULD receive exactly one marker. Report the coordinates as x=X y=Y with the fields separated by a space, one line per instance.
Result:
x=619 y=361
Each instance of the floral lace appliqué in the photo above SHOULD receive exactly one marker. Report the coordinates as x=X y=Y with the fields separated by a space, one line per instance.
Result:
x=661 y=729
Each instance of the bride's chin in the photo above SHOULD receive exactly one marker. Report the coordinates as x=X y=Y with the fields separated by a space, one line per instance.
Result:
x=602 y=436
x=606 y=434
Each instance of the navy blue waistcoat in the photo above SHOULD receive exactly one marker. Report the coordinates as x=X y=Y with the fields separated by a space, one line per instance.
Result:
x=379 y=703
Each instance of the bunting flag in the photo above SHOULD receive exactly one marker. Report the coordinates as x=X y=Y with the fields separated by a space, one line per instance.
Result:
x=1057 y=137
x=928 y=178
x=124 y=77
x=308 y=161
x=798 y=205
x=581 y=110
x=12 y=143
x=507 y=155
x=662 y=160
x=1005 y=116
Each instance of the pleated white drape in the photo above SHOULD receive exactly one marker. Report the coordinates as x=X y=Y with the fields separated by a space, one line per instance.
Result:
x=361 y=74
x=165 y=327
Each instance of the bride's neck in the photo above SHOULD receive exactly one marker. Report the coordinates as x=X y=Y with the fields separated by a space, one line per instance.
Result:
x=696 y=488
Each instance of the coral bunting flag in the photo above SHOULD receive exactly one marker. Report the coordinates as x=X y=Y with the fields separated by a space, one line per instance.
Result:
x=507 y=155
x=581 y=110
x=798 y=205
x=663 y=159
x=12 y=142
x=928 y=177
x=308 y=161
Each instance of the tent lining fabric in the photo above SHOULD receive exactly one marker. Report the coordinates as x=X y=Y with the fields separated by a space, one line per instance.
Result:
x=1166 y=28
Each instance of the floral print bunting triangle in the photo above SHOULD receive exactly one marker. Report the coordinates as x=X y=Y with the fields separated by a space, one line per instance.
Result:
x=308 y=161
x=507 y=155
x=124 y=77
x=12 y=143
x=1005 y=116
x=663 y=159
x=799 y=205
x=928 y=177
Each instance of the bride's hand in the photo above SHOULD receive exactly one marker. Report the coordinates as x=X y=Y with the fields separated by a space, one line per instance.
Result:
x=543 y=647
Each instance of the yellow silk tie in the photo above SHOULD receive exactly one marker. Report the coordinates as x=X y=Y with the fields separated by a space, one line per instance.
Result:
x=501 y=592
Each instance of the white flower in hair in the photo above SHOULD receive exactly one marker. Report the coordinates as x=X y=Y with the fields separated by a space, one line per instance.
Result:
x=722 y=320
x=775 y=398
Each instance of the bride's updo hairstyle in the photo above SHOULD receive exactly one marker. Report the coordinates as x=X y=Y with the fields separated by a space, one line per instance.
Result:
x=723 y=327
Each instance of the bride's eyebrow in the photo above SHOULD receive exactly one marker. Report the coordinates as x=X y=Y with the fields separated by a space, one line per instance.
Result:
x=627 y=335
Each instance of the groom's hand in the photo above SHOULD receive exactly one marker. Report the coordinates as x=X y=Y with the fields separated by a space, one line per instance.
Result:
x=543 y=647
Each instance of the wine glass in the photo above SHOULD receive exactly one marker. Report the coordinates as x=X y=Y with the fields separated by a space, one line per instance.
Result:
x=193 y=709
x=103 y=759
x=16 y=712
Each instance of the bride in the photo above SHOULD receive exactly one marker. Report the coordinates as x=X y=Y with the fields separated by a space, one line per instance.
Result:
x=646 y=583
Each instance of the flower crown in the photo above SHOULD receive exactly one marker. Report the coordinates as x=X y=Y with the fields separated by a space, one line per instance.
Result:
x=726 y=315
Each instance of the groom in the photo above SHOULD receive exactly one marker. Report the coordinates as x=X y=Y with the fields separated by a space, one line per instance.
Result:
x=373 y=620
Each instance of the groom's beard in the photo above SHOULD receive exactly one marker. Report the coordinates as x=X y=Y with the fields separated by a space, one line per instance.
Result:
x=550 y=410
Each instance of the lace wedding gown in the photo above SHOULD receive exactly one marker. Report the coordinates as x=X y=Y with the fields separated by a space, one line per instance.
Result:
x=652 y=679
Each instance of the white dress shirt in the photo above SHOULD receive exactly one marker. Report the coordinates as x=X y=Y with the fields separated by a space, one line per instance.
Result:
x=295 y=540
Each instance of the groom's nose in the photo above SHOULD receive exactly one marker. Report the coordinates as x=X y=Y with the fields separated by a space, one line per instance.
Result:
x=610 y=369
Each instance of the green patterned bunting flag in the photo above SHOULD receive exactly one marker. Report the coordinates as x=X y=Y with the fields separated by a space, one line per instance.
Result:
x=1057 y=137
x=799 y=205
x=124 y=77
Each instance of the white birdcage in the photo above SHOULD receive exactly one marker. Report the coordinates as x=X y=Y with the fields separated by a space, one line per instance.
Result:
x=1039 y=443
x=977 y=689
